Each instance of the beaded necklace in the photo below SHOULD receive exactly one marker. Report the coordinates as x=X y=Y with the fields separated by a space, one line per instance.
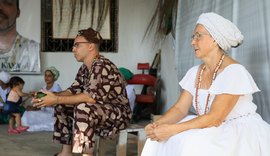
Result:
x=199 y=85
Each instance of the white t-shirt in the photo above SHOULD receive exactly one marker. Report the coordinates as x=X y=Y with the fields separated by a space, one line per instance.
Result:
x=3 y=94
x=24 y=56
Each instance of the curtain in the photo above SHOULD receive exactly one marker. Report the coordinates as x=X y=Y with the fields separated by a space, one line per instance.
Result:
x=252 y=20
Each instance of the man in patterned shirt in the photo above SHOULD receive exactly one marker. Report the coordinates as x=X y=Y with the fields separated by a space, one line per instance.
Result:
x=97 y=98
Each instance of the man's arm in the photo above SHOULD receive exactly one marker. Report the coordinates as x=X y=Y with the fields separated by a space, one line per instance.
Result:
x=64 y=97
x=63 y=93
x=74 y=99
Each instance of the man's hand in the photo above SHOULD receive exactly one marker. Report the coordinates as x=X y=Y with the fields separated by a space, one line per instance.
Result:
x=48 y=100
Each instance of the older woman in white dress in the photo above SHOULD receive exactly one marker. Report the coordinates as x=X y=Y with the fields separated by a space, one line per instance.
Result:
x=43 y=120
x=220 y=90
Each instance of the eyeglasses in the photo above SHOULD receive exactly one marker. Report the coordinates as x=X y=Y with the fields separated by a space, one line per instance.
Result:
x=76 y=45
x=197 y=36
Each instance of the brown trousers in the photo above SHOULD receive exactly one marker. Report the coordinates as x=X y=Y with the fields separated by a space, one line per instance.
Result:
x=84 y=121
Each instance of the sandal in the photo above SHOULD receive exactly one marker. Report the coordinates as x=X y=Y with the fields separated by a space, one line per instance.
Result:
x=22 y=128
x=13 y=131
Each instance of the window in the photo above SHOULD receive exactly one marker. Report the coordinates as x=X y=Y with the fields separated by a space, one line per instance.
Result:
x=51 y=44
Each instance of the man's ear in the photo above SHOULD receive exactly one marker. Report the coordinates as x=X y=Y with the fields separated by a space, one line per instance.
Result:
x=91 y=46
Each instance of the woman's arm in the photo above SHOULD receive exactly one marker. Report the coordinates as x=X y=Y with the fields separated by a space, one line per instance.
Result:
x=221 y=107
x=177 y=112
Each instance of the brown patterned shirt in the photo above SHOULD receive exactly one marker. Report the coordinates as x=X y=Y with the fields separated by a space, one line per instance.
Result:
x=103 y=82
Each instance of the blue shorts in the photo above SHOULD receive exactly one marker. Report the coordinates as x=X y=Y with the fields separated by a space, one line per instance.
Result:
x=11 y=107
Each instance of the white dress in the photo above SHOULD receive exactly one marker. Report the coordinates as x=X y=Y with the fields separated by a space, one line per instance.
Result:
x=131 y=96
x=243 y=133
x=41 y=120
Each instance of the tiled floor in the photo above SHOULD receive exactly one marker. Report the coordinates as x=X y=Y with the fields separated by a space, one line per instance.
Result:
x=26 y=144
x=40 y=144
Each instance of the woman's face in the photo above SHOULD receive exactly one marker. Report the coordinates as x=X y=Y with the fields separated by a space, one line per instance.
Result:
x=49 y=77
x=202 y=42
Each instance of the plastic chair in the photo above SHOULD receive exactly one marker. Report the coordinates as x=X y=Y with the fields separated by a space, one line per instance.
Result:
x=144 y=102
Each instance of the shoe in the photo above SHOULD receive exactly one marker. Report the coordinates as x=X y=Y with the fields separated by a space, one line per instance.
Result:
x=13 y=131
x=22 y=128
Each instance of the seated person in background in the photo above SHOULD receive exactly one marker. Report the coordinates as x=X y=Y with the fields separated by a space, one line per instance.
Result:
x=45 y=119
x=131 y=96
x=4 y=90
x=127 y=74
x=4 y=87
x=14 y=100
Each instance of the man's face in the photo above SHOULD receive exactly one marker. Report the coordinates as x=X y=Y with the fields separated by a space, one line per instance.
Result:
x=8 y=15
x=81 y=48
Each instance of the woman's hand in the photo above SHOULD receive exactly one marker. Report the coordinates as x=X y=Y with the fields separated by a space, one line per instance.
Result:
x=149 y=130
x=48 y=100
x=159 y=132
x=165 y=131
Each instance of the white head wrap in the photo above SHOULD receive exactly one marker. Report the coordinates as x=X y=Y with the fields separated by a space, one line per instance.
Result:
x=54 y=71
x=224 y=32
x=4 y=76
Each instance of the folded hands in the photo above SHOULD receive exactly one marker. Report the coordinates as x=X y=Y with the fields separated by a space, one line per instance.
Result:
x=160 y=132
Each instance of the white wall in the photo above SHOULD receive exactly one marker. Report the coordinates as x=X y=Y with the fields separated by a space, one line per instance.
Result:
x=134 y=16
x=28 y=17
x=170 y=87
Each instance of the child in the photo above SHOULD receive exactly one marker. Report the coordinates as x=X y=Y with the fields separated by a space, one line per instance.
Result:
x=14 y=99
